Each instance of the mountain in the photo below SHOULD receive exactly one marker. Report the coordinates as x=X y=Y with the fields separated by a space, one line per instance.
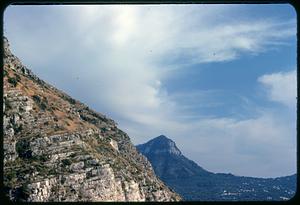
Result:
x=194 y=183
x=58 y=149
x=168 y=161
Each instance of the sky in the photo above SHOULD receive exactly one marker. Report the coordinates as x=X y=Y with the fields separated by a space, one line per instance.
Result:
x=219 y=80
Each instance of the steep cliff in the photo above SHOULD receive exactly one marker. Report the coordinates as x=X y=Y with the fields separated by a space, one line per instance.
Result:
x=58 y=149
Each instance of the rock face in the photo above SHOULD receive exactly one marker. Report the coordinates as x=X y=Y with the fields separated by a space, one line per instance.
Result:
x=58 y=149
x=159 y=145
x=194 y=183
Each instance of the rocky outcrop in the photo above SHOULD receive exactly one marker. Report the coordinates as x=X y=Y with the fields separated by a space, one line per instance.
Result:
x=58 y=149
x=160 y=145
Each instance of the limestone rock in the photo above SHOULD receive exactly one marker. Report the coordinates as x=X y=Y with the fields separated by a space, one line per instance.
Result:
x=58 y=149
x=114 y=144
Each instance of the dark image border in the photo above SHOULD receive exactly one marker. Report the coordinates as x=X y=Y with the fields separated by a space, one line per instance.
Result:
x=6 y=3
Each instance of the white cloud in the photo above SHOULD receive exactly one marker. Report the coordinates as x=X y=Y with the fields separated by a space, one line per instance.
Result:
x=122 y=46
x=282 y=87
x=263 y=146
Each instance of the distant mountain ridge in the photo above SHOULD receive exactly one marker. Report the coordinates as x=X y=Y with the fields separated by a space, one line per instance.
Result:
x=195 y=183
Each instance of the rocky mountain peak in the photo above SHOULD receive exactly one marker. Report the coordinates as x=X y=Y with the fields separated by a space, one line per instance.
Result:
x=162 y=138
x=160 y=144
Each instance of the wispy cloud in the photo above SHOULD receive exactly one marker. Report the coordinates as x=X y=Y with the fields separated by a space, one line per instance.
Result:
x=229 y=41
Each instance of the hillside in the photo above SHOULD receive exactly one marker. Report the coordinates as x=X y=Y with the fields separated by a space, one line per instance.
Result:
x=194 y=183
x=58 y=149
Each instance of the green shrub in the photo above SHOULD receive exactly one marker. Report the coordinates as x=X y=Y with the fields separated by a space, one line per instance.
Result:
x=73 y=155
x=66 y=162
x=12 y=81
x=7 y=105
x=52 y=172
x=18 y=129
x=23 y=148
x=42 y=103
x=36 y=98
x=25 y=191
x=10 y=175
x=72 y=101
x=18 y=78
x=5 y=73
x=42 y=158
x=43 y=106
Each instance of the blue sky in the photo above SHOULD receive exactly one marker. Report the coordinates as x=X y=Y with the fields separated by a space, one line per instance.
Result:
x=220 y=80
